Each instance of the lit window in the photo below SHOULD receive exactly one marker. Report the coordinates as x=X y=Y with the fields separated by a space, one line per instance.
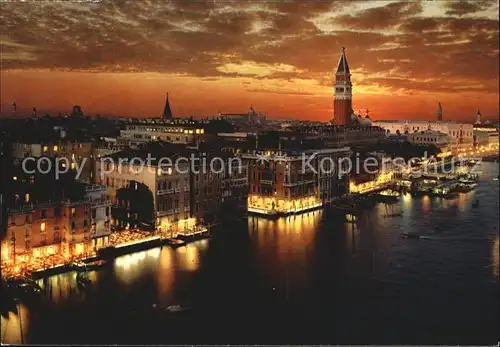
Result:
x=14 y=178
x=45 y=148
x=42 y=227
x=73 y=165
x=56 y=148
x=202 y=131
x=73 y=211
x=27 y=197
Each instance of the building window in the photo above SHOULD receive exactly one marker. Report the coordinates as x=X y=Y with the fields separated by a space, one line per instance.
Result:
x=42 y=227
x=73 y=211
x=85 y=223
x=43 y=214
x=107 y=211
x=73 y=225
x=57 y=211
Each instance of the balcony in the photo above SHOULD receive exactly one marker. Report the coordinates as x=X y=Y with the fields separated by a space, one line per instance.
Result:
x=269 y=182
x=164 y=191
x=177 y=190
x=101 y=203
x=187 y=208
x=177 y=210
x=186 y=189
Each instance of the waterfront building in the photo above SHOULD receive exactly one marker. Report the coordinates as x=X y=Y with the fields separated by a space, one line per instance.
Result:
x=281 y=183
x=100 y=215
x=169 y=187
x=186 y=188
x=461 y=134
x=342 y=101
x=36 y=232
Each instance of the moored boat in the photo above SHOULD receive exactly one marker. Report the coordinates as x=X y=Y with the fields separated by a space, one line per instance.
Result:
x=388 y=196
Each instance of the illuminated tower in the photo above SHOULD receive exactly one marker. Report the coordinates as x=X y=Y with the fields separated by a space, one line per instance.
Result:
x=342 y=101
x=167 y=112
x=439 y=112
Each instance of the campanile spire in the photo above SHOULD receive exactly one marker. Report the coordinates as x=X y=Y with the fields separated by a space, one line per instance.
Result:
x=167 y=112
x=342 y=101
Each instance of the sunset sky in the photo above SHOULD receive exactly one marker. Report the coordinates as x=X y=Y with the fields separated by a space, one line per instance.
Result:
x=121 y=57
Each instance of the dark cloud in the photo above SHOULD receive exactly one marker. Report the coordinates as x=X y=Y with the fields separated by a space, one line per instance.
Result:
x=465 y=7
x=380 y=17
x=196 y=38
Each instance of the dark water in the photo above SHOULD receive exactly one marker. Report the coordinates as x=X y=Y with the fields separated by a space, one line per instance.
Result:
x=306 y=279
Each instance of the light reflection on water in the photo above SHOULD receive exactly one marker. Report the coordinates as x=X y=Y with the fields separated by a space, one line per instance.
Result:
x=295 y=253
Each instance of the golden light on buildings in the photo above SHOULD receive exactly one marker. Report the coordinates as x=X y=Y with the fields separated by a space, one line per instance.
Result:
x=56 y=148
x=45 y=148
x=14 y=178
x=27 y=197
x=42 y=227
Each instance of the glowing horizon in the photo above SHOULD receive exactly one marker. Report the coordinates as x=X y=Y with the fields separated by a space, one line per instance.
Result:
x=121 y=60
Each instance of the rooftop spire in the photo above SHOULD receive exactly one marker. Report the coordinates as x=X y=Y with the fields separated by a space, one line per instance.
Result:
x=343 y=67
x=167 y=112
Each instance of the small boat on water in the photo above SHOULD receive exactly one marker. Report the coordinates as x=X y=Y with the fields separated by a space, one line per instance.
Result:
x=175 y=308
x=172 y=242
x=93 y=265
x=465 y=187
x=388 y=196
x=82 y=280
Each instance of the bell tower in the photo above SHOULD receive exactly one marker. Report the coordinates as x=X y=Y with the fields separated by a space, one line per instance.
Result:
x=342 y=101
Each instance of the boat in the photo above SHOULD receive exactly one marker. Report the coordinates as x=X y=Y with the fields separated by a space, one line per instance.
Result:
x=173 y=242
x=388 y=196
x=82 y=280
x=175 y=308
x=465 y=187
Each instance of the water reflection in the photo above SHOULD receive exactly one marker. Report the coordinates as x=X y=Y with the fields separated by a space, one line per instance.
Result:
x=494 y=257
x=314 y=260
x=15 y=326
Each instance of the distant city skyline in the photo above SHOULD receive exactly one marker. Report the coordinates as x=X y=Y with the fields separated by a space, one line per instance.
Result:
x=121 y=60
